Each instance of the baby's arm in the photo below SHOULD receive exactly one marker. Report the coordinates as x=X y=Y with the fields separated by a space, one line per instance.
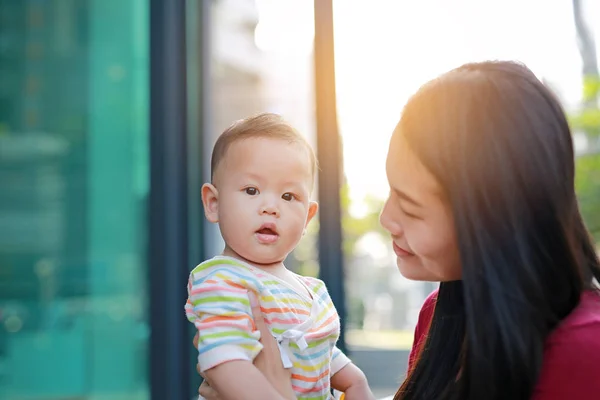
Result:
x=219 y=307
x=348 y=378
x=239 y=379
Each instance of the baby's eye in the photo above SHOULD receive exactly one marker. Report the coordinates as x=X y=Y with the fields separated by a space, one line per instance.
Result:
x=287 y=196
x=252 y=191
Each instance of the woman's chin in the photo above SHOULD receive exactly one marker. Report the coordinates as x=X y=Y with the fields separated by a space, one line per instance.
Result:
x=413 y=270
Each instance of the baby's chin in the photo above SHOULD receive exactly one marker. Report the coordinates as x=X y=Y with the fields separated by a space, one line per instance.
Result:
x=262 y=260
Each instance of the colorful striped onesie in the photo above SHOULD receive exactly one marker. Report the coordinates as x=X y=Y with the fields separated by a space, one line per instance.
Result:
x=306 y=328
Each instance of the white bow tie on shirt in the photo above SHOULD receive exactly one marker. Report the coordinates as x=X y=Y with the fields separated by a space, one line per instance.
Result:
x=284 y=340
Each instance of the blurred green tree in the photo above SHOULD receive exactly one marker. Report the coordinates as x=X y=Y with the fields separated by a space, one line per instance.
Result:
x=587 y=121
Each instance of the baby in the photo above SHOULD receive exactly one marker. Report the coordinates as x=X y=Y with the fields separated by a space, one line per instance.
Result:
x=262 y=173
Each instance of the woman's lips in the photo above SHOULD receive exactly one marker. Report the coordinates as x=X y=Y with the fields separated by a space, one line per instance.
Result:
x=400 y=252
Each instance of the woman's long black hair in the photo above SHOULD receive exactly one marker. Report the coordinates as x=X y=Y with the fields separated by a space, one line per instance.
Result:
x=498 y=142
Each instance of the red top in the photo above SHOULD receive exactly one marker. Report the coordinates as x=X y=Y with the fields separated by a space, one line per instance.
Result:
x=571 y=366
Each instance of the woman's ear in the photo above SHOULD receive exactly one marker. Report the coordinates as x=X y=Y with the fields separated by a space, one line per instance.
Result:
x=210 y=201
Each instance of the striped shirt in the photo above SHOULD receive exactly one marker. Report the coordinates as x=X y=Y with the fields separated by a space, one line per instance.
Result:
x=306 y=328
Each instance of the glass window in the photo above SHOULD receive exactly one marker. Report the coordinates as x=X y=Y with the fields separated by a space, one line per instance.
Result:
x=261 y=60
x=73 y=189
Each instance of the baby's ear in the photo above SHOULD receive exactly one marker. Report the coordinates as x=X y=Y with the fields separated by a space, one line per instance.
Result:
x=210 y=201
x=313 y=207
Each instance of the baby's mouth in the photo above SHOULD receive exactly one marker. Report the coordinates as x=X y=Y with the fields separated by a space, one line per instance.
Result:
x=267 y=233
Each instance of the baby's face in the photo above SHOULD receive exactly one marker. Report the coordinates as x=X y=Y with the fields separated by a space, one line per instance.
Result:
x=264 y=188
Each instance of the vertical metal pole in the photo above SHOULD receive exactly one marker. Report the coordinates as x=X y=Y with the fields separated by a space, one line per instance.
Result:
x=199 y=151
x=170 y=346
x=329 y=153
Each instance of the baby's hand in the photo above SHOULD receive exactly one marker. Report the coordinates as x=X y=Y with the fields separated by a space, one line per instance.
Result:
x=207 y=392
x=352 y=382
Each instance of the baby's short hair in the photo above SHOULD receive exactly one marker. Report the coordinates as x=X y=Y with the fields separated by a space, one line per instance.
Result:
x=265 y=125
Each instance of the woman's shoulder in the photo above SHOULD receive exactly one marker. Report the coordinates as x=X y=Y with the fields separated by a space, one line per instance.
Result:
x=571 y=363
x=426 y=313
x=429 y=303
x=581 y=326
x=425 y=316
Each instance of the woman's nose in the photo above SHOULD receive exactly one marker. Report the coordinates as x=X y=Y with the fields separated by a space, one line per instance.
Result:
x=388 y=220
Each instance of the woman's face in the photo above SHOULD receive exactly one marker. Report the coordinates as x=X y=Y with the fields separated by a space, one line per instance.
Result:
x=418 y=218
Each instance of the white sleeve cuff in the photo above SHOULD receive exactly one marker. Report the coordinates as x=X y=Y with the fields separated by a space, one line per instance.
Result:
x=339 y=360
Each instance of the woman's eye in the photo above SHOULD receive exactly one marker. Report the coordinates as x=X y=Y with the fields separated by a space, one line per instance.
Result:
x=287 y=196
x=252 y=191
x=409 y=215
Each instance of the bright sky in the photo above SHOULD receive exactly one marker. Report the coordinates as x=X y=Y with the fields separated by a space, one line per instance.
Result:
x=385 y=49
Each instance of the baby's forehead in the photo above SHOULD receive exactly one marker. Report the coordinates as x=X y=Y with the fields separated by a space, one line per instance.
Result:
x=255 y=158
x=276 y=145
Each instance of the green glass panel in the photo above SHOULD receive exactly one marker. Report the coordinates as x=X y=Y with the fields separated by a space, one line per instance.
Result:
x=73 y=196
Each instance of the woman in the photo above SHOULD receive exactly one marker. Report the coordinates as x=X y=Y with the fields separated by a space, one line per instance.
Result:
x=482 y=199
